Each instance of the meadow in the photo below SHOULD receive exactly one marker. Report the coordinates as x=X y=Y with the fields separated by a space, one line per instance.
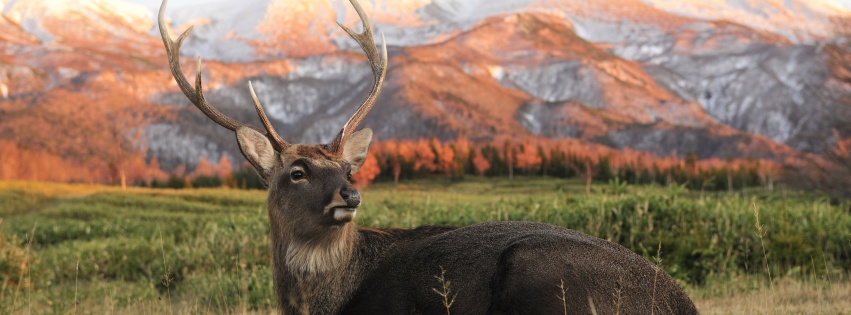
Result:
x=93 y=250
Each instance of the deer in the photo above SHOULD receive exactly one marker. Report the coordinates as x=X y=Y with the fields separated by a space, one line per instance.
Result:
x=323 y=263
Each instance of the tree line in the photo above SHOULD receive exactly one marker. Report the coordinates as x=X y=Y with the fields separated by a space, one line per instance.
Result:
x=401 y=160
x=395 y=160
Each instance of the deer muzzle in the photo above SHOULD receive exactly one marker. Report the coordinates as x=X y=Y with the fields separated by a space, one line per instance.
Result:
x=351 y=197
x=347 y=210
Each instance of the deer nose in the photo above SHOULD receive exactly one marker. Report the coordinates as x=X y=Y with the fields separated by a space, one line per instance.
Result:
x=351 y=197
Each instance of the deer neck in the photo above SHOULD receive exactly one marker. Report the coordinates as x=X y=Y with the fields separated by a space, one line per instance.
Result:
x=317 y=274
x=320 y=255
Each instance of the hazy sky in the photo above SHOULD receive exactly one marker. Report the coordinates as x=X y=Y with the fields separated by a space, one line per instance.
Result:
x=156 y=3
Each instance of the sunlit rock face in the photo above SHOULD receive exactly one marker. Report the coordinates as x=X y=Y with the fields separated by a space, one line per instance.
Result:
x=72 y=22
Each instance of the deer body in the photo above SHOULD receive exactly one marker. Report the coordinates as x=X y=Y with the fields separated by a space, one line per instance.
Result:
x=324 y=264
x=493 y=268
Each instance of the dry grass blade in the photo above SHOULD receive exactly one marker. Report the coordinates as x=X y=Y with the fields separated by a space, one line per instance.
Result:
x=445 y=291
x=563 y=296
x=76 y=279
x=591 y=306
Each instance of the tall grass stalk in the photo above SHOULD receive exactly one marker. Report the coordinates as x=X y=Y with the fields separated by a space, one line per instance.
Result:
x=76 y=278
x=656 y=268
x=167 y=276
x=28 y=263
x=761 y=233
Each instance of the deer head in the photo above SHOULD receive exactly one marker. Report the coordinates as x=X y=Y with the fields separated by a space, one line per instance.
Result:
x=309 y=185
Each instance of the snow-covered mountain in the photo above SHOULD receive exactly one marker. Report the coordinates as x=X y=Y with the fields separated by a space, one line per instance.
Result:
x=728 y=78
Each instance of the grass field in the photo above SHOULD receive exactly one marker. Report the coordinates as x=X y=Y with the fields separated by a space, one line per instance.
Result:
x=206 y=251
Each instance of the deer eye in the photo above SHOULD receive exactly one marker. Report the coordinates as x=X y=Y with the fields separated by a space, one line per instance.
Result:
x=297 y=175
x=349 y=176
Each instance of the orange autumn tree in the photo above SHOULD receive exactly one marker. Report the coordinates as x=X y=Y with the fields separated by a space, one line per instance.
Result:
x=203 y=169
x=424 y=157
x=225 y=168
x=368 y=172
x=528 y=158
x=225 y=172
x=154 y=172
x=444 y=156
x=480 y=163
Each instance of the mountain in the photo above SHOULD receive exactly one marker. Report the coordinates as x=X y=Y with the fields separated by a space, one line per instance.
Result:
x=753 y=81
x=800 y=21
x=519 y=75
x=722 y=80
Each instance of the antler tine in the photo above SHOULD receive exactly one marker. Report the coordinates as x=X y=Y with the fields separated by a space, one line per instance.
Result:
x=279 y=143
x=379 y=71
x=195 y=96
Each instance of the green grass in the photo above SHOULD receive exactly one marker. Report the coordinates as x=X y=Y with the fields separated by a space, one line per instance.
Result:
x=206 y=251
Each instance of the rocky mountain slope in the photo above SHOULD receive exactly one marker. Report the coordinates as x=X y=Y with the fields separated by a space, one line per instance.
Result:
x=654 y=75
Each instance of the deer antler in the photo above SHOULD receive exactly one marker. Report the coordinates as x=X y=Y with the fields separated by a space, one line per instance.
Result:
x=379 y=71
x=196 y=95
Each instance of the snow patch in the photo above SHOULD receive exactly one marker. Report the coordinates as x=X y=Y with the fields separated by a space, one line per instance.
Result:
x=497 y=72
x=559 y=82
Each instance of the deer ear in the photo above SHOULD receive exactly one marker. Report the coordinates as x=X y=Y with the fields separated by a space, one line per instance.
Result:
x=356 y=148
x=257 y=149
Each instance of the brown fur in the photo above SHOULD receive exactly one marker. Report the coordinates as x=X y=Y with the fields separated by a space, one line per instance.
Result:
x=313 y=152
